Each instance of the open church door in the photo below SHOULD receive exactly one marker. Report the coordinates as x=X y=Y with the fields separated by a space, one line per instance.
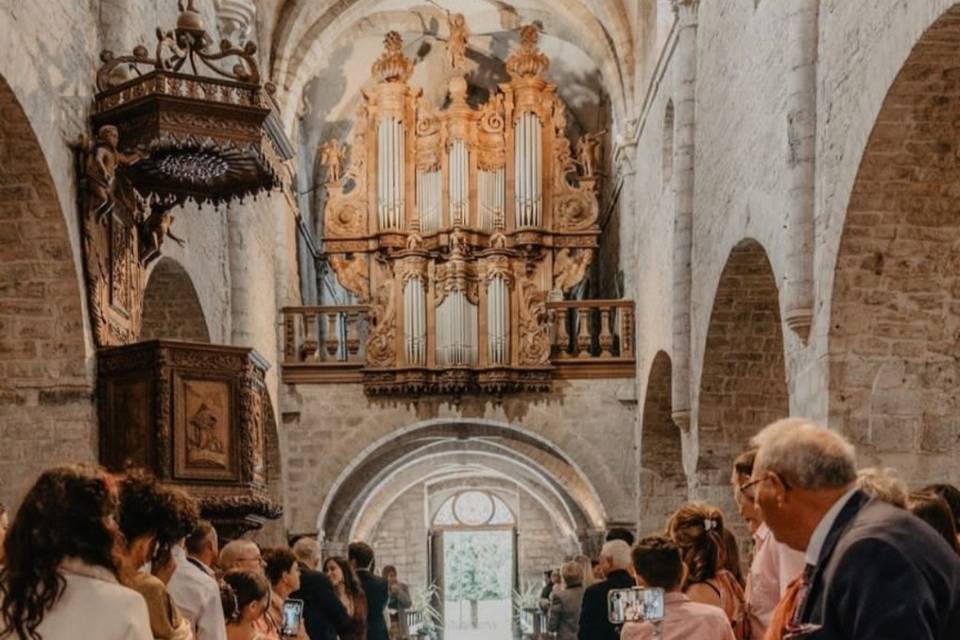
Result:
x=435 y=555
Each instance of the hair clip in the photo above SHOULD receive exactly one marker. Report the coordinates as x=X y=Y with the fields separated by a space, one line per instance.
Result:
x=709 y=523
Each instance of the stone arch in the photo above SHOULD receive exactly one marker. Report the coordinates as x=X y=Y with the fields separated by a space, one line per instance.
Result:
x=666 y=172
x=171 y=306
x=743 y=384
x=895 y=314
x=46 y=413
x=663 y=484
x=378 y=461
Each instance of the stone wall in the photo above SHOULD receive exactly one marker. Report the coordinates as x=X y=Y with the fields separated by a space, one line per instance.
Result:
x=171 y=308
x=329 y=427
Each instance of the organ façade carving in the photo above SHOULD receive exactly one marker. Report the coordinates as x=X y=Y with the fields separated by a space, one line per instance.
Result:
x=454 y=227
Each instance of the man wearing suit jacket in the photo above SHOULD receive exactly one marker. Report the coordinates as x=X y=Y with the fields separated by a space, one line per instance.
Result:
x=375 y=588
x=874 y=572
x=594 y=621
x=323 y=613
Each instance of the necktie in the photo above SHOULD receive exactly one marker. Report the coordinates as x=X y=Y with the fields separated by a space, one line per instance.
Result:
x=805 y=579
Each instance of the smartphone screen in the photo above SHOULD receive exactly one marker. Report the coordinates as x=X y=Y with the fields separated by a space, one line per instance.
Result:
x=635 y=605
x=292 y=615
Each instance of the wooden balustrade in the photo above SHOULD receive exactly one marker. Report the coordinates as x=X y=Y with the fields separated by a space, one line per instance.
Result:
x=590 y=339
x=592 y=336
x=323 y=344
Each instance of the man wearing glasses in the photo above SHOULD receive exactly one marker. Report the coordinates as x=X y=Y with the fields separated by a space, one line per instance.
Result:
x=774 y=564
x=873 y=571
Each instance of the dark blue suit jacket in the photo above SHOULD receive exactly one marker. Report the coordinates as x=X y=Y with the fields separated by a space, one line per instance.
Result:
x=884 y=574
x=375 y=588
x=594 y=620
x=323 y=613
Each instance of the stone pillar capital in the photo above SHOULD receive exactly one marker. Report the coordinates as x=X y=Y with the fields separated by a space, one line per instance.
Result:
x=685 y=10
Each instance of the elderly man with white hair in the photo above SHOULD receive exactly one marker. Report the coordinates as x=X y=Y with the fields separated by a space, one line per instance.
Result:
x=323 y=613
x=873 y=571
x=615 y=562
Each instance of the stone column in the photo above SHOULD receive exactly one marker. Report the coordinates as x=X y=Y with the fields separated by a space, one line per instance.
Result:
x=685 y=79
x=801 y=59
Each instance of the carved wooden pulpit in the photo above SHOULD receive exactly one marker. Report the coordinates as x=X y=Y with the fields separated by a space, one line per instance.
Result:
x=192 y=414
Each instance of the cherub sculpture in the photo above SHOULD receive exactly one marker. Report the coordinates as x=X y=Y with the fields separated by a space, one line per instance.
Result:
x=457 y=44
x=588 y=152
x=331 y=157
x=153 y=231
x=103 y=159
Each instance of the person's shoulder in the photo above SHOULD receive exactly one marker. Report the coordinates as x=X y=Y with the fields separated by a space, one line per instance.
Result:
x=148 y=585
x=895 y=531
x=704 y=611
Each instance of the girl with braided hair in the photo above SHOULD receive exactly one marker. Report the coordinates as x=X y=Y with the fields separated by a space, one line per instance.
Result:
x=697 y=528
x=245 y=596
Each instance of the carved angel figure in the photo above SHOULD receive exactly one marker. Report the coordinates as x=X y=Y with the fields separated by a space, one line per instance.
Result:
x=153 y=231
x=457 y=44
x=352 y=274
x=103 y=159
x=569 y=269
x=588 y=152
x=331 y=157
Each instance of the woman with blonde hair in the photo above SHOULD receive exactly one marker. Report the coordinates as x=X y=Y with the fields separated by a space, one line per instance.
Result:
x=697 y=529
x=586 y=568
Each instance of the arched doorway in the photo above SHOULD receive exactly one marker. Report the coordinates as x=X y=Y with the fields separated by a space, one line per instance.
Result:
x=743 y=386
x=663 y=484
x=473 y=562
x=46 y=411
x=895 y=316
x=171 y=306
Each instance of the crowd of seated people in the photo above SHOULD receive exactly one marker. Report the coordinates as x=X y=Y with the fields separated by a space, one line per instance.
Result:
x=837 y=554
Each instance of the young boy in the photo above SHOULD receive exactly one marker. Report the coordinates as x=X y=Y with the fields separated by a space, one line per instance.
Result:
x=657 y=563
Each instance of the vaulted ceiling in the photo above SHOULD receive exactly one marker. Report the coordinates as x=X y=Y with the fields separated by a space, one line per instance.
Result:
x=322 y=51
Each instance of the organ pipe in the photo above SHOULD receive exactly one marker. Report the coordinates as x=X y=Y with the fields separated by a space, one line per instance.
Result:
x=498 y=321
x=459 y=163
x=415 y=321
x=456 y=331
x=390 y=156
x=429 y=194
x=490 y=197
x=528 y=158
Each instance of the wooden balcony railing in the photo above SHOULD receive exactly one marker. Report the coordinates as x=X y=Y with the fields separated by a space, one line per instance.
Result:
x=593 y=338
x=589 y=339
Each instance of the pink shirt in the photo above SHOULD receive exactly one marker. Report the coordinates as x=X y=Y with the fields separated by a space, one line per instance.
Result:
x=683 y=620
x=774 y=566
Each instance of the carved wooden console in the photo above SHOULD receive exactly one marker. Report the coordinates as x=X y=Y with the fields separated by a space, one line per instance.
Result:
x=194 y=415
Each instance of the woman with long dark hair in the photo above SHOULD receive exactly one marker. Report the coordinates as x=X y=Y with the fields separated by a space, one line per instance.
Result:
x=60 y=579
x=347 y=587
x=697 y=529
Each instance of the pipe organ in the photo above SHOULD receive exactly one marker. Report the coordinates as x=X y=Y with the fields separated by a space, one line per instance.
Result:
x=472 y=221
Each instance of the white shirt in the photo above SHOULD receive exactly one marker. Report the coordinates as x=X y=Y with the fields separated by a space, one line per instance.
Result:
x=197 y=595
x=94 y=606
x=774 y=566
x=819 y=537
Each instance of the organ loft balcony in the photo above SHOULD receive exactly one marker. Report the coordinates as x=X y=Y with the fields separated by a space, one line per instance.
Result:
x=459 y=235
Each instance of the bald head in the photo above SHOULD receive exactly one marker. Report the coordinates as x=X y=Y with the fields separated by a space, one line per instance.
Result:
x=241 y=554
x=805 y=455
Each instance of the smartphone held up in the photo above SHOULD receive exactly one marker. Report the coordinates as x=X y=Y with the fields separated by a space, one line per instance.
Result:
x=637 y=604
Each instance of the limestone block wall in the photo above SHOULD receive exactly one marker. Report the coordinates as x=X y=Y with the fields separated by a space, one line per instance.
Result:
x=401 y=538
x=329 y=426
x=741 y=187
